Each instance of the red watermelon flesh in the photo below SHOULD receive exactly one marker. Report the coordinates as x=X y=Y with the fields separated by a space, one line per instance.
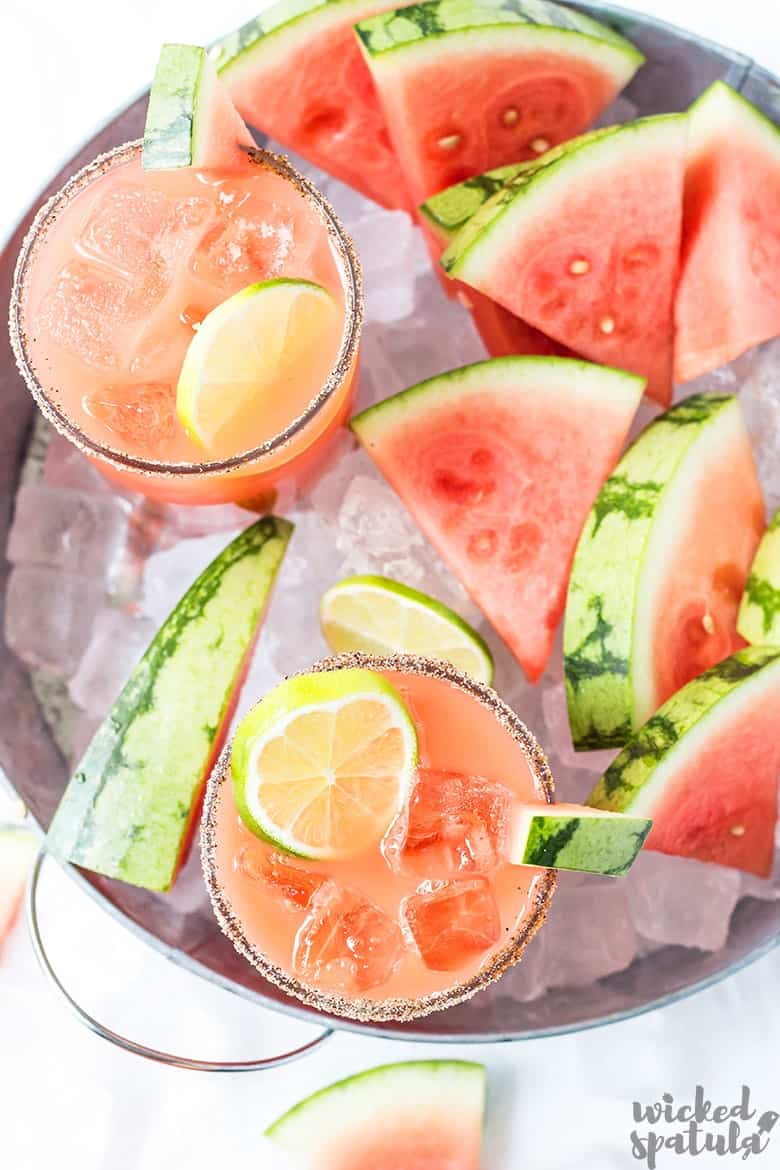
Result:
x=494 y=93
x=416 y=1115
x=500 y=463
x=586 y=248
x=745 y=746
x=728 y=298
x=504 y=334
x=305 y=84
x=17 y=853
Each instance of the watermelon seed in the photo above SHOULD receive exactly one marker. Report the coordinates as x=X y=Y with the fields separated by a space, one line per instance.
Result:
x=464 y=300
x=482 y=544
x=607 y=324
x=450 y=142
x=579 y=267
x=540 y=145
x=708 y=623
x=737 y=830
x=510 y=116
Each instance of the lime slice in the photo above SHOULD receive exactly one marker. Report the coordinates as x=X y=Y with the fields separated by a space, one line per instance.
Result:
x=250 y=347
x=324 y=763
x=378 y=615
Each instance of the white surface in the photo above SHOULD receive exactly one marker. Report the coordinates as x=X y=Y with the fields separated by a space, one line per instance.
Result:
x=66 y=1097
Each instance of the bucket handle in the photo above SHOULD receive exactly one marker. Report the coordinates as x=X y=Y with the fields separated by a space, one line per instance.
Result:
x=168 y=1058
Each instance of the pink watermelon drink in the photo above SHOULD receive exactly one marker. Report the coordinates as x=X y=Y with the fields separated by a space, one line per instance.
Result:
x=115 y=279
x=429 y=914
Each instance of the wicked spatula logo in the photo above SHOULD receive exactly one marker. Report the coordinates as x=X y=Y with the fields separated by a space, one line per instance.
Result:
x=700 y=1126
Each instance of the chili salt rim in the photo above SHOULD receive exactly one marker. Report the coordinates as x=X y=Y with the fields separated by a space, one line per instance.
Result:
x=349 y=271
x=396 y=1008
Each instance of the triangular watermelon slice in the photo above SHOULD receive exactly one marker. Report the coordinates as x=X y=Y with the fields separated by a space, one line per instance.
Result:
x=660 y=568
x=499 y=463
x=441 y=217
x=585 y=246
x=415 y=1115
x=467 y=85
x=728 y=298
x=296 y=72
x=705 y=766
x=190 y=119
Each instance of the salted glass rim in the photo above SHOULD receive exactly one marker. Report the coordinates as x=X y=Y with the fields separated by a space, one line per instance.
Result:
x=349 y=272
x=388 y=1009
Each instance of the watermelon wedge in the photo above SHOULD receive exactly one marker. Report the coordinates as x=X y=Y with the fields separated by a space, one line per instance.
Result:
x=573 y=836
x=503 y=81
x=499 y=462
x=732 y=208
x=759 y=611
x=441 y=217
x=17 y=852
x=417 y=1115
x=660 y=569
x=190 y=119
x=584 y=246
x=705 y=766
x=296 y=72
x=132 y=803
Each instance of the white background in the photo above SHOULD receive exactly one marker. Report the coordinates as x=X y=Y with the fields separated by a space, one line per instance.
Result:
x=66 y=1097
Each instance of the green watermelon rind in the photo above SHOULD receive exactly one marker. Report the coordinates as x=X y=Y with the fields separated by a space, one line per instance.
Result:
x=127 y=808
x=180 y=91
x=405 y=28
x=611 y=564
x=278 y=30
x=450 y=209
x=586 y=843
x=513 y=374
x=759 y=612
x=638 y=778
x=485 y=239
x=357 y=1103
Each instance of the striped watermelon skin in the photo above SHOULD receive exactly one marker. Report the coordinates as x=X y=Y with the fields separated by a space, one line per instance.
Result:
x=190 y=120
x=732 y=193
x=586 y=840
x=759 y=611
x=449 y=210
x=704 y=767
x=129 y=807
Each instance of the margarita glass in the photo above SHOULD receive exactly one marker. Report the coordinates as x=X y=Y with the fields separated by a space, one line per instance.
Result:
x=116 y=274
x=435 y=912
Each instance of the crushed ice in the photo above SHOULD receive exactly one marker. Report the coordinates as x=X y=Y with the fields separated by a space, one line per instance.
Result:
x=95 y=572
